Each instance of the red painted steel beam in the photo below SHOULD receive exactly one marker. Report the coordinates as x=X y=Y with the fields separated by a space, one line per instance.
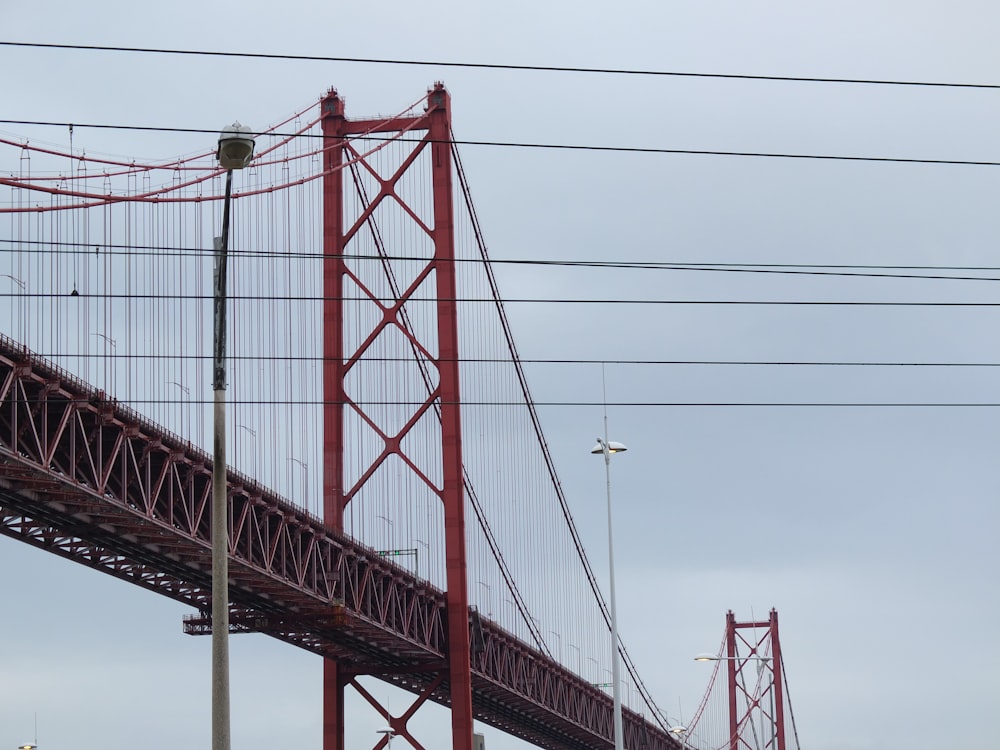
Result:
x=333 y=123
x=731 y=679
x=452 y=495
x=778 y=687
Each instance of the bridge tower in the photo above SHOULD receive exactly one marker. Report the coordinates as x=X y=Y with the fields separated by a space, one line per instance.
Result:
x=350 y=148
x=755 y=684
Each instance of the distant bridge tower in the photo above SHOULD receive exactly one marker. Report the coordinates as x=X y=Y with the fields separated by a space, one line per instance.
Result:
x=755 y=680
x=380 y=280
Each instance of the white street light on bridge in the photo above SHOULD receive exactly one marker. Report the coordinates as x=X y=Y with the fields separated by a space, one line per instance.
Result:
x=388 y=729
x=714 y=657
x=389 y=733
x=680 y=731
x=234 y=152
x=606 y=448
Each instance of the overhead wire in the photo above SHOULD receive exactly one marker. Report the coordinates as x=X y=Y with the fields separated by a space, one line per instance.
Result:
x=67 y=247
x=561 y=146
x=551 y=146
x=497 y=66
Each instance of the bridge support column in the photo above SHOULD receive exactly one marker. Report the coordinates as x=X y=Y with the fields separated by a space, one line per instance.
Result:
x=341 y=355
x=333 y=706
x=452 y=495
x=333 y=372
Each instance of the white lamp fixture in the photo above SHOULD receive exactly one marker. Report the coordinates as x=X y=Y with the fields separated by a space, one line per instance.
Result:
x=235 y=146
x=680 y=731
x=389 y=733
x=613 y=447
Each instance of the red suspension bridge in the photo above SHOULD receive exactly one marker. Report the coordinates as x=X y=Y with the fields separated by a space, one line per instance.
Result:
x=373 y=378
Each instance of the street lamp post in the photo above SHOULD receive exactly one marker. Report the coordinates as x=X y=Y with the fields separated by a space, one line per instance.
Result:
x=235 y=151
x=606 y=448
x=305 y=480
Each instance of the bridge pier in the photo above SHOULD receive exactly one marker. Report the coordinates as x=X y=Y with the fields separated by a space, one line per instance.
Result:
x=333 y=705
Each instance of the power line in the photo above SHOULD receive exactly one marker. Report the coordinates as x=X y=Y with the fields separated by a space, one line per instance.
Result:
x=54 y=247
x=499 y=66
x=705 y=152
x=545 y=146
x=789 y=270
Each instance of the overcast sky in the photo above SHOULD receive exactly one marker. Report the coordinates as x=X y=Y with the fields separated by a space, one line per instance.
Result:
x=872 y=530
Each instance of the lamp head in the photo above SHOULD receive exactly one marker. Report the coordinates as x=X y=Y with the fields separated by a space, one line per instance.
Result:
x=613 y=447
x=27 y=746
x=677 y=729
x=235 y=146
x=706 y=657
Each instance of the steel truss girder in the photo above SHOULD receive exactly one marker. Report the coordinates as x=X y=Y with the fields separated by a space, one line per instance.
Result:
x=92 y=481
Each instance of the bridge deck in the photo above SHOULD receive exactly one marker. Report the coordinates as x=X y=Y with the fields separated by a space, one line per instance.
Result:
x=93 y=481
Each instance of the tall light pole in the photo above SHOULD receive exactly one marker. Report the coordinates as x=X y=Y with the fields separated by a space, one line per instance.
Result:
x=305 y=480
x=235 y=151
x=606 y=448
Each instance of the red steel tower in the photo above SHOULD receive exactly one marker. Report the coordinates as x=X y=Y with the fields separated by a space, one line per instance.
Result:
x=756 y=697
x=348 y=143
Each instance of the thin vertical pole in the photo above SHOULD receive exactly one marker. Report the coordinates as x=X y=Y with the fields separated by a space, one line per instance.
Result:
x=616 y=690
x=220 y=511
